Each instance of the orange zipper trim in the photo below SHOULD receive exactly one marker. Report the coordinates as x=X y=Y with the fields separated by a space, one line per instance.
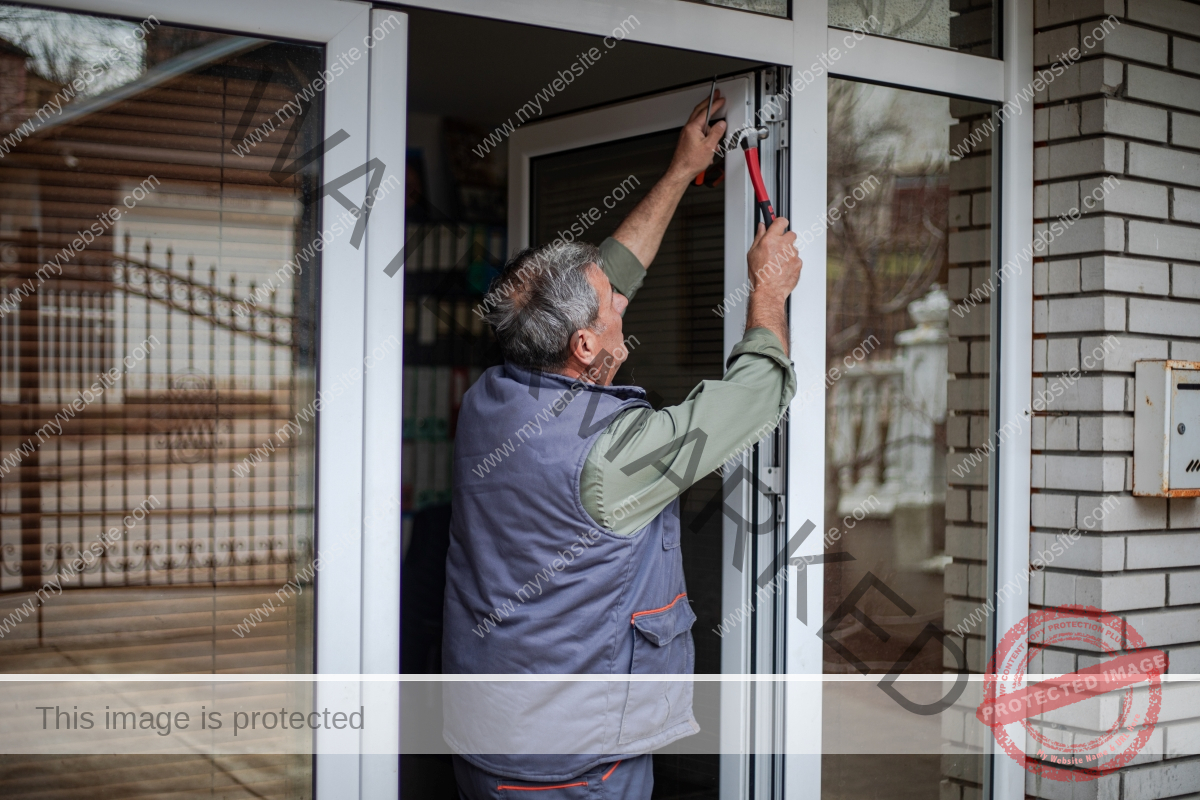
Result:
x=542 y=788
x=656 y=610
x=610 y=771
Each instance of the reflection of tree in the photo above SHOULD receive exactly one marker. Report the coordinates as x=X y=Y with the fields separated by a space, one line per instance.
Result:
x=888 y=249
x=776 y=8
x=62 y=46
x=896 y=19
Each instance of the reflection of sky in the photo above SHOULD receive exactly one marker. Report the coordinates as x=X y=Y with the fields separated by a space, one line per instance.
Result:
x=924 y=119
x=64 y=46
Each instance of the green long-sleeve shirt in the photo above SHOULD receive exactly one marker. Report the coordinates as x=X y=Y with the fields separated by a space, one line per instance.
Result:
x=624 y=485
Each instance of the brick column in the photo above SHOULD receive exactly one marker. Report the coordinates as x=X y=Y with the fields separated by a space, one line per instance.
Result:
x=1122 y=283
x=969 y=254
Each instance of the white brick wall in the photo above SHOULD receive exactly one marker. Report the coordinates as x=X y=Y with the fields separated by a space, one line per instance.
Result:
x=1187 y=56
x=1155 y=551
x=1051 y=13
x=969 y=252
x=1168 y=317
x=1186 y=205
x=1127 y=273
x=1164 y=164
x=1131 y=42
x=1184 y=588
x=1185 y=130
x=1185 y=281
x=1104 y=313
x=1084 y=158
x=1165 y=88
x=1173 y=15
x=1164 y=241
x=1106 y=115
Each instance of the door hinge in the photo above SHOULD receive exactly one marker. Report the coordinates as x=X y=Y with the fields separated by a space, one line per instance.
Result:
x=773 y=108
x=772 y=480
x=783 y=135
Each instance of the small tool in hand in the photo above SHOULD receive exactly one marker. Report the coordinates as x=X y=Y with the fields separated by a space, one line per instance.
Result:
x=761 y=201
x=707 y=119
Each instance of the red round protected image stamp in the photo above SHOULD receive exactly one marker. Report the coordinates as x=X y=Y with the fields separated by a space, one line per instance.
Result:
x=1077 y=744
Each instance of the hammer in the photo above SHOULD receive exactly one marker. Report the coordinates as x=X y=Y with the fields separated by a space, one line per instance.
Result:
x=761 y=201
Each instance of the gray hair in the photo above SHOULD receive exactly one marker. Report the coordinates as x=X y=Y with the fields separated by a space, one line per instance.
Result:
x=541 y=299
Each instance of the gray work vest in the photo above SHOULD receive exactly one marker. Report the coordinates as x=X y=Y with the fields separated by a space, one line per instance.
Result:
x=535 y=585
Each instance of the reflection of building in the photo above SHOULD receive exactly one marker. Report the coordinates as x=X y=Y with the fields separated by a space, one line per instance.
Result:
x=918 y=207
x=22 y=90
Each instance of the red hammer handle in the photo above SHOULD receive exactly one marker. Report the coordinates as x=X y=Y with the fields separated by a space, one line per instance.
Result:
x=761 y=200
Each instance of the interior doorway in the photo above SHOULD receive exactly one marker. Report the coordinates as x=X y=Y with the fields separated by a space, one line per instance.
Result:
x=460 y=210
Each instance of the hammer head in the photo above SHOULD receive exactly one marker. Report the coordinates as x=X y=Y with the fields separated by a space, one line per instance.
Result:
x=750 y=137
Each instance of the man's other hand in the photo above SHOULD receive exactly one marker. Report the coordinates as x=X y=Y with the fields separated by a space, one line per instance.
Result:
x=774 y=263
x=695 y=150
x=774 y=271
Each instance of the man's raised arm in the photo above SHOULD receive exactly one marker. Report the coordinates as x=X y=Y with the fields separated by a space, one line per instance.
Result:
x=643 y=229
x=645 y=458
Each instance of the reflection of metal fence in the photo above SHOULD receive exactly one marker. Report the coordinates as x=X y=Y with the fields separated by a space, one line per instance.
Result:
x=885 y=420
x=201 y=300
x=191 y=406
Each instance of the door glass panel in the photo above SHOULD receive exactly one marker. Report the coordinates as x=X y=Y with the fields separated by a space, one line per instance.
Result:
x=151 y=347
x=968 y=26
x=679 y=342
x=907 y=404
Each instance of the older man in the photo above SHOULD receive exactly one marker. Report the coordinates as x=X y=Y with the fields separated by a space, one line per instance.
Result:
x=574 y=537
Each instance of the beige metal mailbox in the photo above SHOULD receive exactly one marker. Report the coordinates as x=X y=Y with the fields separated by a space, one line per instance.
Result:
x=1166 y=429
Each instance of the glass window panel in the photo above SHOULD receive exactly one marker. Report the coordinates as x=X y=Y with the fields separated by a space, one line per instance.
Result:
x=908 y=397
x=152 y=348
x=966 y=25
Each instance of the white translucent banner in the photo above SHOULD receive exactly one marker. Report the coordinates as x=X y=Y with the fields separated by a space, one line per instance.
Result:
x=1056 y=720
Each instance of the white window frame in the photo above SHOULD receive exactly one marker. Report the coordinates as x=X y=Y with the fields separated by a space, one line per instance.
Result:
x=355 y=471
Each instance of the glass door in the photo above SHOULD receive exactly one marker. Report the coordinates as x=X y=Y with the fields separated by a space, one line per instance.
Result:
x=907 y=488
x=595 y=167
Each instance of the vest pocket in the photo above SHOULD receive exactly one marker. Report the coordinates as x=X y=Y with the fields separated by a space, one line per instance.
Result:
x=662 y=644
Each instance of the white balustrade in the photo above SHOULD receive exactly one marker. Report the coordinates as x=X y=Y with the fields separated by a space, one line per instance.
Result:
x=883 y=438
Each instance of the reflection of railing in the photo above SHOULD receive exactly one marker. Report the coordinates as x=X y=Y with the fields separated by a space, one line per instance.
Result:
x=224 y=526
x=146 y=559
x=885 y=418
x=203 y=300
x=864 y=403
x=209 y=389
